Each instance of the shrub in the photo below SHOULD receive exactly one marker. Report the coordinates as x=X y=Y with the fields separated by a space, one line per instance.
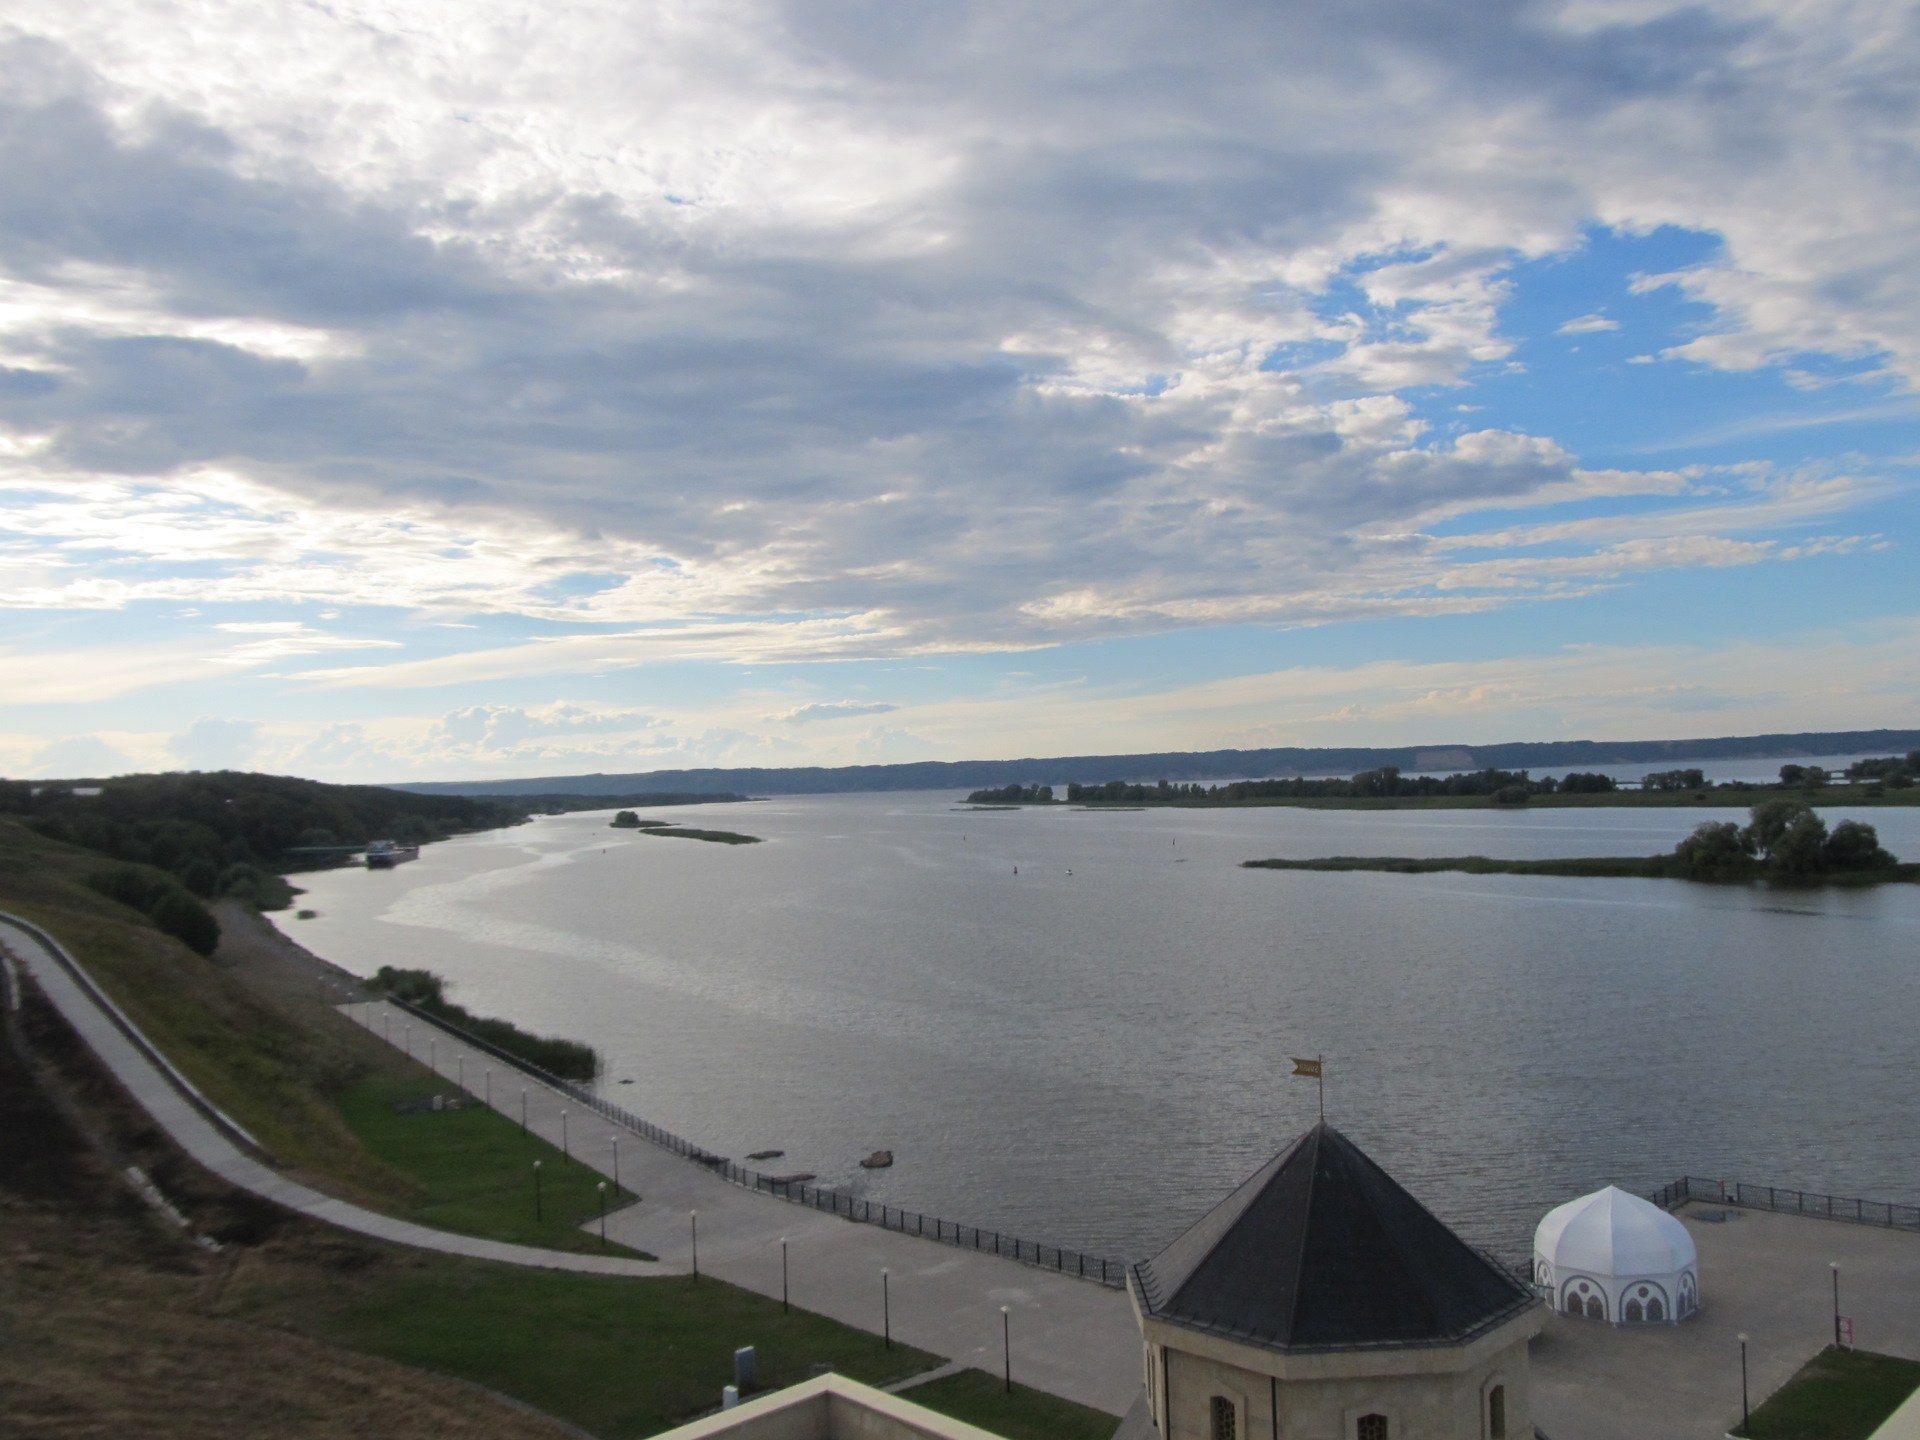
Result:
x=187 y=920
x=1512 y=795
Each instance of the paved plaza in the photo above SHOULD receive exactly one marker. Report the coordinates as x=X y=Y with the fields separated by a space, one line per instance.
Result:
x=1761 y=1274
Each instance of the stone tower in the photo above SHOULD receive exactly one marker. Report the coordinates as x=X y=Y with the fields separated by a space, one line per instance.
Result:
x=1321 y=1301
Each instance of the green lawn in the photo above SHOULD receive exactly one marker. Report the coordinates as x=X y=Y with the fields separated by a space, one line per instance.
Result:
x=620 y=1358
x=475 y=1167
x=982 y=1399
x=1837 y=1395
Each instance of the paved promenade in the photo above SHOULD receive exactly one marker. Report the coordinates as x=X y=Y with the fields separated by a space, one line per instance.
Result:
x=1068 y=1337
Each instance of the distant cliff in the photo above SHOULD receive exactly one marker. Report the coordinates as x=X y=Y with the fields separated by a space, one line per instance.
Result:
x=1182 y=765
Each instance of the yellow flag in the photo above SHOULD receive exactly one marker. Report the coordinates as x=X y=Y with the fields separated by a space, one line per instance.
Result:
x=1309 y=1068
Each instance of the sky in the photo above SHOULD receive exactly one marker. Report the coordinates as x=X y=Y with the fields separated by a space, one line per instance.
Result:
x=465 y=389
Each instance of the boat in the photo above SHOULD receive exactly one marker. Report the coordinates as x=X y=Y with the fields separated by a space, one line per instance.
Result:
x=385 y=854
x=879 y=1160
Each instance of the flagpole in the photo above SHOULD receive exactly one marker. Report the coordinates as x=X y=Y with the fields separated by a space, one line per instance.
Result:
x=1320 y=1074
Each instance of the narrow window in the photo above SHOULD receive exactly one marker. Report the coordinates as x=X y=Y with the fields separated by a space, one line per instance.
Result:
x=1372 y=1427
x=1225 y=1419
x=1497 y=1413
x=1596 y=1308
x=1655 y=1310
x=1633 y=1312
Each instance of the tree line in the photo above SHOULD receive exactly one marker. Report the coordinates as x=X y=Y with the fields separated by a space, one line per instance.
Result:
x=184 y=838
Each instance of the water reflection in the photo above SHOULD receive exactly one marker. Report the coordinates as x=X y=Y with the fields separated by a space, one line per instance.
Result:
x=1093 y=1058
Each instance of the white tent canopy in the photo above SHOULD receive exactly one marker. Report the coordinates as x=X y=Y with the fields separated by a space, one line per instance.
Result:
x=1613 y=1256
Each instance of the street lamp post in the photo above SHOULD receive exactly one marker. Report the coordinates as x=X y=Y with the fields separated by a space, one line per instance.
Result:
x=566 y=1151
x=693 y=1222
x=783 y=1276
x=616 y=1160
x=1746 y=1414
x=461 y=1072
x=886 y=1311
x=1834 y=1266
x=1006 y=1345
x=523 y=1112
x=536 y=1191
x=603 y=1214
x=489 y=1087
x=407 y=1037
x=433 y=1062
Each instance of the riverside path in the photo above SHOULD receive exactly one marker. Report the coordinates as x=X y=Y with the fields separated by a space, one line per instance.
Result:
x=1067 y=1336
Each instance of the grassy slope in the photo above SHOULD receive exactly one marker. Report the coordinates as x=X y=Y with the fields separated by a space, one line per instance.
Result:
x=1837 y=1395
x=271 y=1070
x=981 y=1399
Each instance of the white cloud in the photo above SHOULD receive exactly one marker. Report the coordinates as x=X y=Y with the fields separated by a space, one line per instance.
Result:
x=833 y=710
x=748 y=330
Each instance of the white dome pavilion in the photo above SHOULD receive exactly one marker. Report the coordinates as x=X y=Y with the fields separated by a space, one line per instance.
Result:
x=1613 y=1256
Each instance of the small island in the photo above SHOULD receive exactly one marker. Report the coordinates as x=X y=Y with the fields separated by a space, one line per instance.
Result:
x=1786 y=842
x=627 y=820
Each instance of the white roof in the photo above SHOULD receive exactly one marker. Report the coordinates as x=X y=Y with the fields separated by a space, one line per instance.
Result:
x=1613 y=1233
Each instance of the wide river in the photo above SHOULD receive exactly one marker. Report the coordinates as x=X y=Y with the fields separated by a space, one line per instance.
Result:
x=1094 y=1049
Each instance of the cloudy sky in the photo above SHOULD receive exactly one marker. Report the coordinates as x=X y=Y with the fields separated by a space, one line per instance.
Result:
x=453 y=388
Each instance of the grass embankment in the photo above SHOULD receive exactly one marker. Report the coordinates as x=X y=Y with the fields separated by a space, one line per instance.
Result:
x=308 y=1333
x=474 y=1167
x=982 y=1399
x=1640 y=867
x=273 y=1063
x=717 y=837
x=1837 y=1395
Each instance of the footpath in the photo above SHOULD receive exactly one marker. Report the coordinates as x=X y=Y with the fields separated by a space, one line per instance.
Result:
x=218 y=1146
x=1063 y=1335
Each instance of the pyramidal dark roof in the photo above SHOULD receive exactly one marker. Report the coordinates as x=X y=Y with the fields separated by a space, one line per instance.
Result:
x=1322 y=1250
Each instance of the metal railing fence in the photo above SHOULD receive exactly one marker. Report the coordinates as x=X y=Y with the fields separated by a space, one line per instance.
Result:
x=1097 y=1268
x=1886 y=1213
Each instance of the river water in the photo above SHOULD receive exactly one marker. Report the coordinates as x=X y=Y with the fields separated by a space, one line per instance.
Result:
x=1093 y=1058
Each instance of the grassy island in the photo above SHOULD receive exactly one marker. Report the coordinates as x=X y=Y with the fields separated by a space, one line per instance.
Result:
x=1785 y=842
x=627 y=820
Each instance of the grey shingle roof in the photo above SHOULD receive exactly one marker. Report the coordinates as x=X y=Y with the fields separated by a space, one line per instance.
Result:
x=1321 y=1249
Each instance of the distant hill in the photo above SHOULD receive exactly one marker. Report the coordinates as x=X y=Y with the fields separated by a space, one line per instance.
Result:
x=1190 y=765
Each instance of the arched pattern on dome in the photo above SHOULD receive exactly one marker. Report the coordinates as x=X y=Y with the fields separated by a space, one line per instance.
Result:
x=1614 y=1256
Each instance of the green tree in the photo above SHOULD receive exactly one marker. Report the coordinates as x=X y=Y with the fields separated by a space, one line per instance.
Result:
x=1801 y=848
x=1716 y=849
x=1770 y=821
x=1854 y=846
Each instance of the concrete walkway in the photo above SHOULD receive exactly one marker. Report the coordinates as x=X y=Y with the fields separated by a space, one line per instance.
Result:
x=138 y=1068
x=1068 y=1337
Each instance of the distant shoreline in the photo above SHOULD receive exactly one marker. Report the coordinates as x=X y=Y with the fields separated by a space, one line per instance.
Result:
x=1730 y=797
